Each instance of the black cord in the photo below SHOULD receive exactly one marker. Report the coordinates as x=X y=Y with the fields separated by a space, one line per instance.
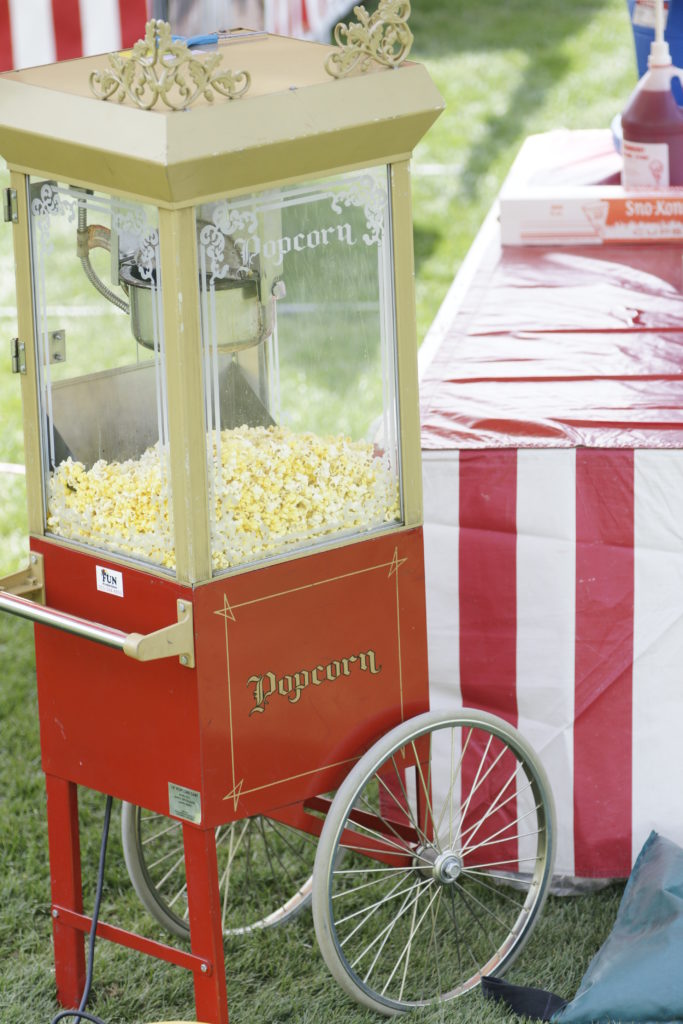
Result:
x=80 y=1014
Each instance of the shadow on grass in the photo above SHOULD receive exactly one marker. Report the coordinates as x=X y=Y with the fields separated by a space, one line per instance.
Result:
x=541 y=32
x=502 y=130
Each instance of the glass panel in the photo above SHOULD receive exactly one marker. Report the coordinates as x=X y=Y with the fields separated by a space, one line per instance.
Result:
x=100 y=348
x=300 y=384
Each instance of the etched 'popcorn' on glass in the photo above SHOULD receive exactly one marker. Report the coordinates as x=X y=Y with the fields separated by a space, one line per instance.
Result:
x=298 y=342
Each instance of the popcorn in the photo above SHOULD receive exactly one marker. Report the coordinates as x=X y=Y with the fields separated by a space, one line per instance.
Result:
x=120 y=506
x=271 y=490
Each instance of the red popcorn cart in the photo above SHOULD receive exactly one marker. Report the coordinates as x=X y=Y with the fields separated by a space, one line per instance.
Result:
x=217 y=357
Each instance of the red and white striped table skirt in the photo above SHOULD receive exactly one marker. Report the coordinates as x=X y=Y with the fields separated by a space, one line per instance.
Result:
x=555 y=600
x=551 y=400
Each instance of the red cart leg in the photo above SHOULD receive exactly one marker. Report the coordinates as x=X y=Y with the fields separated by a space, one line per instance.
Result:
x=65 y=876
x=206 y=933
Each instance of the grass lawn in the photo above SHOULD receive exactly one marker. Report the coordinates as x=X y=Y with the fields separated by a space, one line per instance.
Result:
x=506 y=68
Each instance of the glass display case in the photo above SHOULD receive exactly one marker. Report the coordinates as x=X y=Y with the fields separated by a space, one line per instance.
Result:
x=299 y=378
x=224 y=370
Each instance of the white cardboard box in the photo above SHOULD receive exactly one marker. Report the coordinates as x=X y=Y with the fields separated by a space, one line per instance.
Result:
x=566 y=194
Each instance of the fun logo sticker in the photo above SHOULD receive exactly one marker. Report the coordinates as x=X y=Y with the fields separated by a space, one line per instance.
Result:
x=109 y=580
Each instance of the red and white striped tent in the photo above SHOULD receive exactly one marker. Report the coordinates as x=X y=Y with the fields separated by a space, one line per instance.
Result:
x=42 y=31
x=305 y=19
x=552 y=436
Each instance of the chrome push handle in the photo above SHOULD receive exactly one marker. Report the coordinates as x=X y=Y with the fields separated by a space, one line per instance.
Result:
x=176 y=640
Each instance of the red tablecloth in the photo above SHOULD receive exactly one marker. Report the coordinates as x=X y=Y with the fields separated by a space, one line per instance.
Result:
x=552 y=435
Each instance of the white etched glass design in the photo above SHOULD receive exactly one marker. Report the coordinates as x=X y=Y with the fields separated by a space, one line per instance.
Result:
x=102 y=381
x=298 y=340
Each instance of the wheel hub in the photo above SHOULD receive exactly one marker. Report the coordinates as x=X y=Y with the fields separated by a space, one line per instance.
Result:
x=447 y=867
x=443 y=867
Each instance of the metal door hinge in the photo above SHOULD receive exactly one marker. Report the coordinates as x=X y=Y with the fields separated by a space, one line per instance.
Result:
x=10 y=208
x=18 y=353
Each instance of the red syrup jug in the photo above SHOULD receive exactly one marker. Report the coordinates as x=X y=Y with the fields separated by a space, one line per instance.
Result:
x=652 y=127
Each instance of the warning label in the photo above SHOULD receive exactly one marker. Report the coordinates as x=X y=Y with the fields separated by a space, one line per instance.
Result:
x=184 y=803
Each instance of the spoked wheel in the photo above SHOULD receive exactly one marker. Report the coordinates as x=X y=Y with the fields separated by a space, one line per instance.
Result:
x=448 y=829
x=264 y=870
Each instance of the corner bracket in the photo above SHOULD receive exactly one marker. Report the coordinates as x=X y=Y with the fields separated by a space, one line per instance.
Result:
x=175 y=640
x=28 y=582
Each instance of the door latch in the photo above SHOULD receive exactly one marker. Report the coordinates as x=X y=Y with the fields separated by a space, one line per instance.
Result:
x=57 y=346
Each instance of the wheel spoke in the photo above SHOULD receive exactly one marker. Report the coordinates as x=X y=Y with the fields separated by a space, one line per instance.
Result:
x=371 y=871
x=174 y=867
x=172 y=827
x=487 y=910
x=284 y=834
x=385 y=938
x=465 y=899
x=225 y=879
x=434 y=912
x=274 y=873
x=399 y=776
x=493 y=841
x=366 y=885
x=455 y=775
x=496 y=807
x=502 y=876
x=411 y=896
x=373 y=907
x=257 y=863
x=464 y=810
x=408 y=946
x=371 y=833
x=501 y=863
x=165 y=857
x=397 y=852
x=182 y=891
x=407 y=959
x=405 y=893
x=498 y=890
x=405 y=810
x=425 y=787
x=478 y=782
x=458 y=930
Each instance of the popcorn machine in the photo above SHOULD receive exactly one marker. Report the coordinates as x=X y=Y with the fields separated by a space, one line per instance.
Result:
x=218 y=367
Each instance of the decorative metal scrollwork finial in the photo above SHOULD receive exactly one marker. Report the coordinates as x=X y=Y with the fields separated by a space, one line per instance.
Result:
x=159 y=69
x=383 y=37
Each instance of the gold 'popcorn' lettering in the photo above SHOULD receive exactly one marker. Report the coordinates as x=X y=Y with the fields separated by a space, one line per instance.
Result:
x=273 y=490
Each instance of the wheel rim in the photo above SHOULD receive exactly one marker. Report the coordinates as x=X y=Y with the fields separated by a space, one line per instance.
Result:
x=264 y=870
x=471 y=814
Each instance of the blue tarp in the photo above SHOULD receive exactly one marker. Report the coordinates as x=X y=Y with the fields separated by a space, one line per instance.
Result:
x=637 y=975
